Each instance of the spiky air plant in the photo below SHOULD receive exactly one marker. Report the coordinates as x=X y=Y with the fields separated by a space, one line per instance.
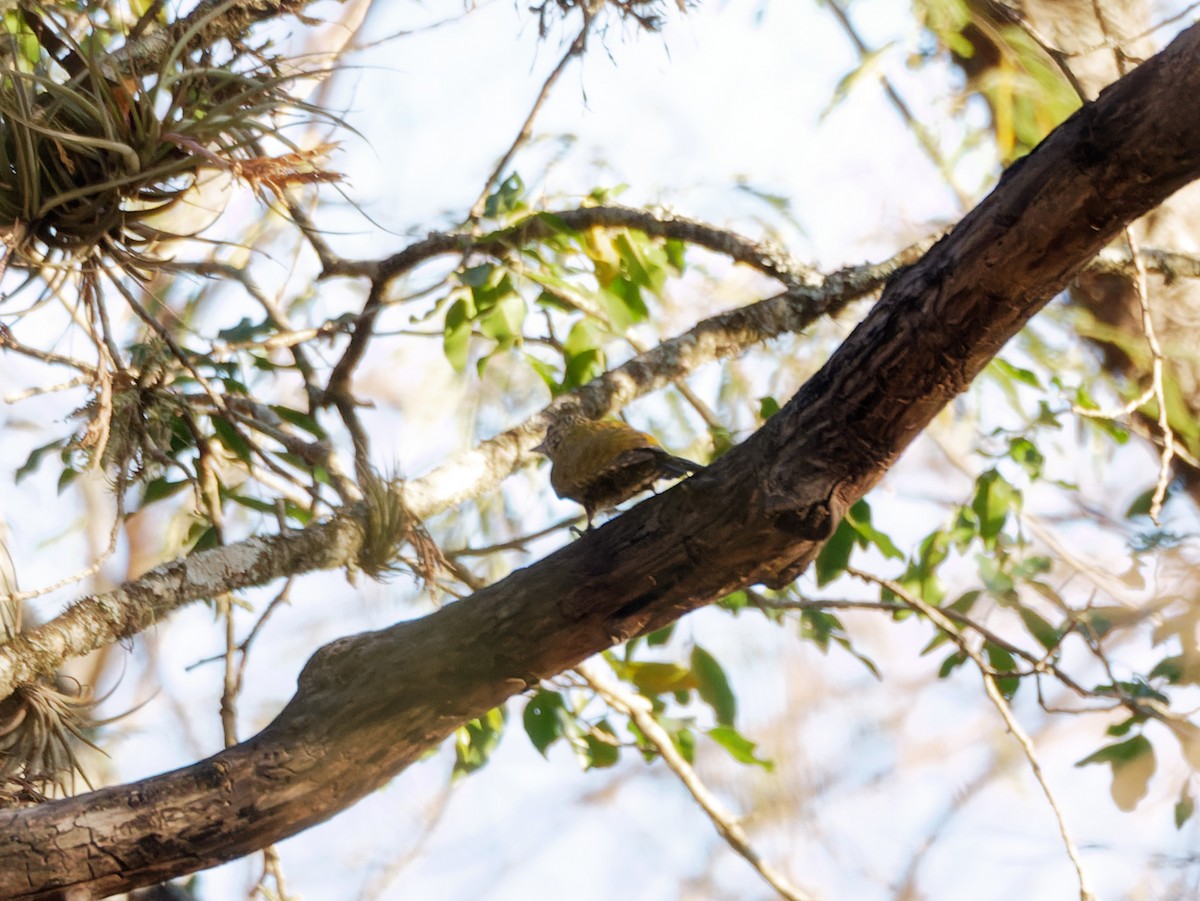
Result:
x=95 y=150
x=387 y=525
x=92 y=152
x=41 y=725
x=41 y=728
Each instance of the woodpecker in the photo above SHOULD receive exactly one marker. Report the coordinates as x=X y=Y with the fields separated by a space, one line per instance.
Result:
x=602 y=463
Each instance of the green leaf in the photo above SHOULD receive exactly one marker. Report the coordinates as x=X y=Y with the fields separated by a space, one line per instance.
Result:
x=1132 y=764
x=1032 y=566
x=475 y=741
x=65 y=478
x=767 y=407
x=1017 y=374
x=252 y=503
x=203 y=536
x=503 y=320
x=713 y=687
x=869 y=69
x=739 y=747
x=1120 y=753
x=998 y=582
x=582 y=368
x=245 y=331
x=661 y=636
x=685 y=741
x=497 y=289
x=654 y=678
x=844 y=643
x=34 y=460
x=921 y=576
x=1135 y=687
x=994 y=499
x=1173 y=669
x=1184 y=808
x=859 y=517
x=157 y=489
x=966 y=601
x=607 y=194
x=456 y=333
x=1101 y=620
x=622 y=301
x=1118 y=730
x=834 y=557
x=951 y=663
x=1140 y=506
x=476 y=276
x=722 y=440
x=632 y=264
x=1024 y=453
x=546 y=372
x=231 y=438
x=735 y=601
x=598 y=753
x=301 y=420
x=1045 y=634
x=583 y=354
x=676 y=251
x=543 y=719
x=302 y=515
x=584 y=335
x=1001 y=662
x=819 y=627
x=506 y=198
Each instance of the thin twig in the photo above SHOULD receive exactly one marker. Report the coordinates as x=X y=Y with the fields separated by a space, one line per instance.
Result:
x=939 y=619
x=229 y=687
x=377 y=886
x=763 y=256
x=272 y=870
x=515 y=544
x=1166 y=434
x=1037 y=664
x=88 y=572
x=640 y=711
x=8 y=341
x=1141 y=288
x=920 y=132
x=576 y=49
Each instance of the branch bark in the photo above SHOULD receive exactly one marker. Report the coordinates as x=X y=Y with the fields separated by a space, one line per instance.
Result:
x=369 y=705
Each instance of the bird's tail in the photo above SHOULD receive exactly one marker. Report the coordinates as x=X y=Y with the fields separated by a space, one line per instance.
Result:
x=677 y=467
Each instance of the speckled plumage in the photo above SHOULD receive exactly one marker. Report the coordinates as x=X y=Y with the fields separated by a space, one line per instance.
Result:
x=601 y=464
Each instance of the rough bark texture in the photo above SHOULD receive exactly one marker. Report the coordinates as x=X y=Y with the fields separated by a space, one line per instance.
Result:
x=369 y=705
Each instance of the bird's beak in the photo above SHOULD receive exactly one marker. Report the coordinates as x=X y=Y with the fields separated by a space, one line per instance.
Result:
x=541 y=449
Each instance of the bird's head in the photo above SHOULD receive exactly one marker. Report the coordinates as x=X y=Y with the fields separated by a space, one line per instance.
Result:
x=557 y=434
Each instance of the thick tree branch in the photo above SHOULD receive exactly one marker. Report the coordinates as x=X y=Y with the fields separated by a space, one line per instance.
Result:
x=369 y=705
x=99 y=620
